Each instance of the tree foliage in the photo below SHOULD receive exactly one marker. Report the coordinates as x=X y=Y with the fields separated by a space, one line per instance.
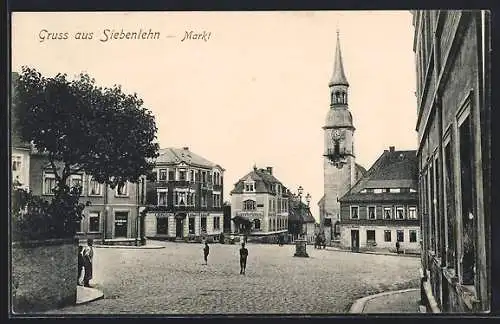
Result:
x=102 y=131
x=80 y=127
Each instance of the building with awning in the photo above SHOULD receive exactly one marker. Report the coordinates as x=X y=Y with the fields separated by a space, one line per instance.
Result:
x=259 y=204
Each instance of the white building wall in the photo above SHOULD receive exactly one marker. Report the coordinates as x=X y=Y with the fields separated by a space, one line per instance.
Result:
x=150 y=224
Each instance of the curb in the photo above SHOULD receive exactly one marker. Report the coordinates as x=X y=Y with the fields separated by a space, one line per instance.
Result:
x=376 y=253
x=148 y=247
x=359 y=305
x=92 y=294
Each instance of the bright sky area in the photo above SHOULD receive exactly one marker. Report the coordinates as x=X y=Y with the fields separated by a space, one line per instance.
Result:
x=256 y=92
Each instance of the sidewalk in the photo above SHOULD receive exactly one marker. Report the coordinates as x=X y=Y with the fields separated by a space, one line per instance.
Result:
x=408 y=255
x=401 y=301
x=85 y=295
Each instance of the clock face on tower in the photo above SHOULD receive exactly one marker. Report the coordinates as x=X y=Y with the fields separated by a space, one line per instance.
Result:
x=336 y=135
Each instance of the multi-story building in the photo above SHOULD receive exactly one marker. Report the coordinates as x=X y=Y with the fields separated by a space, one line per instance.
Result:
x=452 y=50
x=381 y=209
x=113 y=216
x=185 y=199
x=340 y=168
x=259 y=204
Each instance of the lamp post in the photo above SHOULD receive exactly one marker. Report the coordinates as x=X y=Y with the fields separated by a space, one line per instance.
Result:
x=300 y=244
x=308 y=200
x=300 y=190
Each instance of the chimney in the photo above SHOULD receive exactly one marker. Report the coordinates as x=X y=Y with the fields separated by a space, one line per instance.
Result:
x=185 y=148
x=270 y=170
x=391 y=148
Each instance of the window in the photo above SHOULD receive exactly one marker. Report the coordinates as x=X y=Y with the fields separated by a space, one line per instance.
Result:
x=182 y=175
x=216 y=200
x=203 y=176
x=249 y=187
x=78 y=225
x=216 y=223
x=377 y=190
x=76 y=180
x=400 y=212
x=249 y=205
x=467 y=197
x=413 y=190
x=191 y=176
x=204 y=224
x=387 y=212
x=204 y=199
x=370 y=236
x=413 y=236
x=450 y=206
x=95 y=188
x=162 y=196
x=94 y=222
x=412 y=212
x=122 y=189
x=387 y=236
x=354 y=212
x=171 y=175
x=121 y=224
x=191 y=225
x=180 y=198
x=395 y=190
x=162 y=175
x=400 y=235
x=16 y=162
x=49 y=183
x=371 y=212
x=162 y=225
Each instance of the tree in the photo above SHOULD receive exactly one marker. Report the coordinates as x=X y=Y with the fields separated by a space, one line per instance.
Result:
x=81 y=127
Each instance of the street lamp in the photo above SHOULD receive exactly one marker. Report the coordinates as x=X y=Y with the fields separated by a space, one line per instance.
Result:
x=308 y=200
x=300 y=244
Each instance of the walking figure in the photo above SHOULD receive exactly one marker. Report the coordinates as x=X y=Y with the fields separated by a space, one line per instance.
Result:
x=80 y=264
x=397 y=247
x=243 y=258
x=88 y=256
x=206 y=251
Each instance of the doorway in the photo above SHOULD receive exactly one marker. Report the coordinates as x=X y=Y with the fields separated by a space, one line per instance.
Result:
x=121 y=224
x=179 y=227
x=354 y=240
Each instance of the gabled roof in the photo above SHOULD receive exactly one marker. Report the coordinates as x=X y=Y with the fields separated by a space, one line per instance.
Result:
x=183 y=155
x=393 y=169
x=299 y=212
x=264 y=182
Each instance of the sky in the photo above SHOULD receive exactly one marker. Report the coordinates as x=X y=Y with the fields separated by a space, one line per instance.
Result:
x=254 y=90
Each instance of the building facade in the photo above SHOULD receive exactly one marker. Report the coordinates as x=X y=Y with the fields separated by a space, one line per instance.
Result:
x=259 y=204
x=184 y=200
x=381 y=209
x=340 y=168
x=452 y=50
x=113 y=216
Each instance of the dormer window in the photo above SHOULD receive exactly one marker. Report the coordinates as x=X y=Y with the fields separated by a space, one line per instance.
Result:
x=249 y=205
x=249 y=187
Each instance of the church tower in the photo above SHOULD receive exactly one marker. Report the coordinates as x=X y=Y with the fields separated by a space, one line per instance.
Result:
x=339 y=159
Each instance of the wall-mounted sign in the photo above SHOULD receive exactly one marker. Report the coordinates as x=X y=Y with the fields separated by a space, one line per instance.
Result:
x=249 y=214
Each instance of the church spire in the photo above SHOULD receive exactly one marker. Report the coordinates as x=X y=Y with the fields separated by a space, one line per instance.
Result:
x=338 y=76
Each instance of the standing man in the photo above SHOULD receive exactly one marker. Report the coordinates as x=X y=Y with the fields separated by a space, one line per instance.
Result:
x=88 y=256
x=206 y=251
x=80 y=264
x=243 y=258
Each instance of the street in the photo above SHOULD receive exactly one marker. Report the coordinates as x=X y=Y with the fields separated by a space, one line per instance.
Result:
x=174 y=280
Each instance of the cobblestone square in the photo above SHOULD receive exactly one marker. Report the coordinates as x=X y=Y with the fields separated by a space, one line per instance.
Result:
x=173 y=280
